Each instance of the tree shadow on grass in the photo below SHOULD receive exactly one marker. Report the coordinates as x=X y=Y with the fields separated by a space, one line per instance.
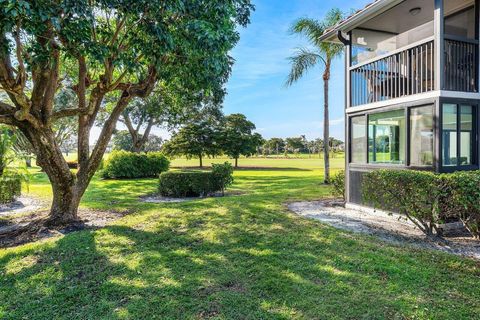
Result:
x=247 y=261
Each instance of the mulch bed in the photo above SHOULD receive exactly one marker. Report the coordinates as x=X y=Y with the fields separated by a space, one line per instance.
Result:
x=29 y=228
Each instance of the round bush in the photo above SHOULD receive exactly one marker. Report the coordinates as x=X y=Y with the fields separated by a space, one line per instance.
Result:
x=10 y=188
x=124 y=164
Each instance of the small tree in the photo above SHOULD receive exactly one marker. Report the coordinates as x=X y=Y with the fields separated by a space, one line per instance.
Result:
x=197 y=138
x=238 y=137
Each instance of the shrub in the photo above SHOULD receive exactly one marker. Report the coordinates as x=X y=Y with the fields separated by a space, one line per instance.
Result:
x=459 y=198
x=10 y=188
x=223 y=175
x=196 y=183
x=412 y=193
x=338 y=184
x=186 y=184
x=124 y=164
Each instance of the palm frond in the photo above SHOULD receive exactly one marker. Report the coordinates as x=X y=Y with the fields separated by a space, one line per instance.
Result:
x=313 y=29
x=310 y=28
x=302 y=61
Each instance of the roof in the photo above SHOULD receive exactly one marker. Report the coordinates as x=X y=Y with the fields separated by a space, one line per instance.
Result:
x=369 y=11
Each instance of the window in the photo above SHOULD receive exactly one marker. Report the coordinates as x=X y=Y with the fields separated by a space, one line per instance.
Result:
x=369 y=44
x=358 y=133
x=421 y=136
x=386 y=137
x=461 y=24
x=458 y=135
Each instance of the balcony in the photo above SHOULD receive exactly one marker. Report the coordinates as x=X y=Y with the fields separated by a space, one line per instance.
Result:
x=411 y=70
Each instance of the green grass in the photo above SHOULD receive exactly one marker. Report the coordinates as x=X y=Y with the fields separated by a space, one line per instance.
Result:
x=238 y=257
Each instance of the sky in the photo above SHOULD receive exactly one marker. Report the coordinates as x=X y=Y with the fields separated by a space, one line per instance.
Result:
x=256 y=87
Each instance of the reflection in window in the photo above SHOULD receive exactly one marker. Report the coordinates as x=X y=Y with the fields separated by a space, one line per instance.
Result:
x=457 y=135
x=358 y=135
x=386 y=137
x=466 y=135
x=421 y=136
x=461 y=24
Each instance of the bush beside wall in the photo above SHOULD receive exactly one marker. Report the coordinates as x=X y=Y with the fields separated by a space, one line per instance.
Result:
x=338 y=184
x=427 y=199
x=124 y=164
x=10 y=188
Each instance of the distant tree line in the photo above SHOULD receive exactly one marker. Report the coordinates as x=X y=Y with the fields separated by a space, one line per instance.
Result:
x=297 y=145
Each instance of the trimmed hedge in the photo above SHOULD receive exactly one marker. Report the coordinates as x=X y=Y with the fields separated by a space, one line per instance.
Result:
x=10 y=188
x=196 y=183
x=124 y=164
x=426 y=198
x=405 y=191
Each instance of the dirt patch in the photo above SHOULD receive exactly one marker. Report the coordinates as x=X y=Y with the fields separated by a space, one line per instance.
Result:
x=391 y=228
x=21 y=229
x=21 y=205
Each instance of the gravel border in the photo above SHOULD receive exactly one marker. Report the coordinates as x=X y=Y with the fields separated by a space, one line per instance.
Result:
x=391 y=228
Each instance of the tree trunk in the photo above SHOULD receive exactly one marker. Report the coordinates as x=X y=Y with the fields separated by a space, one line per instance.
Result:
x=236 y=162
x=65 y=204
x=201 y=161
x=326 y=124
x=66 y=195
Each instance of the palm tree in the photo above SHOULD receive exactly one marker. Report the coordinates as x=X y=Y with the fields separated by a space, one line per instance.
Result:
x=322 y=53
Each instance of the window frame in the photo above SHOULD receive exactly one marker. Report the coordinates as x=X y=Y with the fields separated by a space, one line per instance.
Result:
x=350 y=137
x=475 y=125
x=409 y=137
x=405 y=155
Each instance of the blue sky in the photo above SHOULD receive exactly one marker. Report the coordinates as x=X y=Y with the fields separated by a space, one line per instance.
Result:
x=256 y=87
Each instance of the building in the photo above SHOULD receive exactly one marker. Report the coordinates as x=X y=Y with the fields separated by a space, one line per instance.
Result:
x=412 y=95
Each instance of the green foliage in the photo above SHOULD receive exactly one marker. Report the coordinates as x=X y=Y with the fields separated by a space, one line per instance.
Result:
x=122 y=140
x=7 y=154
x=198 y=138
x=223 y=175
x=124 y=164
x=10 y=188
x=338 y=184
x=459 y=198
x=196 y=183
x=238 y=138
x=427 y=198
x=412 y=193
x=187 y=184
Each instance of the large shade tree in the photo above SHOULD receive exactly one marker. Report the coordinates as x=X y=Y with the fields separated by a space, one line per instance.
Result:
x=318 y=54
x=107 y=49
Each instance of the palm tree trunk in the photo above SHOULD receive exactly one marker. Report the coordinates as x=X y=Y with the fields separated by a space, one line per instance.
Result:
x=326 y=124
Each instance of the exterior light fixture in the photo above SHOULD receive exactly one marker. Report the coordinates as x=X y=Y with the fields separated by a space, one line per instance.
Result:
x=415 y=11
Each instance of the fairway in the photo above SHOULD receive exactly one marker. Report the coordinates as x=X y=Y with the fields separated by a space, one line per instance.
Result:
x=243 y=256
x=302 y=161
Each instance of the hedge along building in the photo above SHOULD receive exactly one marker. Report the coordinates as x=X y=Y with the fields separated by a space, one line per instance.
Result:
x=412 y=95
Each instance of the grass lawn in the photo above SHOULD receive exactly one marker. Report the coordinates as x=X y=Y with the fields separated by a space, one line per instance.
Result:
x=238 y=257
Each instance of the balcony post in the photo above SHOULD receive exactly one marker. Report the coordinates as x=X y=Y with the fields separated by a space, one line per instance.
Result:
x=439 y=42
